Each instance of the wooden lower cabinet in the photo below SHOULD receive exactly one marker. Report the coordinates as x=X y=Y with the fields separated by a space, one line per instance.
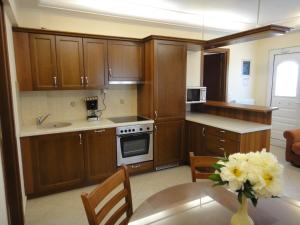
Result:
x=142 y=167
x=58 y=162
x=206 y=140
x=100 y=154
x=168 y=143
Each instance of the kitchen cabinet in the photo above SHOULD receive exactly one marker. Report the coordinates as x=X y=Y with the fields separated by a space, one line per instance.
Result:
x=169 y=140
x=95 y=61
x=58 y=162
x=70 y=67
x=162 y=98
x=195 y=134
x=169 y=80
x=53 y=162
x=125 y=61
x=100 y=154
x=43 y=61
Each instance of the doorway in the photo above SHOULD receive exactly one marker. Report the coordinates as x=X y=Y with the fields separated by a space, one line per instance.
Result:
x=285 y=94
x=215 y=68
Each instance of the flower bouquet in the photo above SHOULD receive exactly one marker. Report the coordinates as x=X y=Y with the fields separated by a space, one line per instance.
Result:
x=252 y=176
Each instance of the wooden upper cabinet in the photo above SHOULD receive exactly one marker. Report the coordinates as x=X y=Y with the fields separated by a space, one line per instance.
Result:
x=100 y=154
x=95 y=63
x=43 y=61
x=58 y=161
x=70 y=62
x=125 y=61
x=169 y=80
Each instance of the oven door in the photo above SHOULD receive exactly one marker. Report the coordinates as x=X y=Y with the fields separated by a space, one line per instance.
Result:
x=134 y=148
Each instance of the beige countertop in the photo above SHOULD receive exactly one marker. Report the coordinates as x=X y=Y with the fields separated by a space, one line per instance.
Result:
x=235 y=125
x=78 y=125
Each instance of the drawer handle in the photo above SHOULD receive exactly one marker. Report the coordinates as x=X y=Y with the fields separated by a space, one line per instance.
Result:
x=80 y=139
x=81 y=79
x=222 y=149
x=222 y=131
x=99 y=131
x=222 y=140
x=136 y=166
x=203 y=131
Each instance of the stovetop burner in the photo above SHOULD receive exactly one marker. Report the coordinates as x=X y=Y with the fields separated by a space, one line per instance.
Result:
x=127 y=119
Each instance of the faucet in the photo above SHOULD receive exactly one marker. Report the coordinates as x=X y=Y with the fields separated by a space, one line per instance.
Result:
x=41 y=119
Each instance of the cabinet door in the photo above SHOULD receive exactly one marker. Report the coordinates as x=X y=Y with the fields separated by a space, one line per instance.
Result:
x=169 y=80
x=169 y=138
x=70 y=62
x=43 y=61
x=125 y=60
x=95 y=63
x=58 y=161
x=100 y=154
x=194 y=138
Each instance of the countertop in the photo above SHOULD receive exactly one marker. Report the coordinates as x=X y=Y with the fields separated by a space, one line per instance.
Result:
x=235 y=125
x=78 y=125
x=253 y=108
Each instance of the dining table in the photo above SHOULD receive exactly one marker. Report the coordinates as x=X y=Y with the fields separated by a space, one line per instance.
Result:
x=202 y=203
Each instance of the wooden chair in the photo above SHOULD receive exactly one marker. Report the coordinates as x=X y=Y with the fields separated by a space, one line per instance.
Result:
x=201 y=162
x=93 y=199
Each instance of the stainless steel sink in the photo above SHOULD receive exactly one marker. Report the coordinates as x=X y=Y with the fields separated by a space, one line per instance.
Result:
x=54 y=125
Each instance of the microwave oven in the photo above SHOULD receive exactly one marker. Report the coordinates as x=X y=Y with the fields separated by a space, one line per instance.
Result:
x=195 y=95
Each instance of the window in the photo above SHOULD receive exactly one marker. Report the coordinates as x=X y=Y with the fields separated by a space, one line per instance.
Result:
x=287 y=79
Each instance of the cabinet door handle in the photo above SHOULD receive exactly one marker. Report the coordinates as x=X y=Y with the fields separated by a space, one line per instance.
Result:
x=86 y=81
x=222 y=131
x=81 y=79
x=80 y=139
x=99 y=131
x=222 y=140
x=155 y=128
x=155 y=115
x=109 y=72
x=55 y=81
x=203 y=131
x=222 y=149
x=136 y=166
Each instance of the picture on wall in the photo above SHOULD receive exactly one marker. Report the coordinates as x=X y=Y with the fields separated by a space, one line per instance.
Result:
x=246 y=67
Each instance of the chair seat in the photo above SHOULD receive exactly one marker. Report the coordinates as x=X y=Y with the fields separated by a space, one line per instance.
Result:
x=296 y=148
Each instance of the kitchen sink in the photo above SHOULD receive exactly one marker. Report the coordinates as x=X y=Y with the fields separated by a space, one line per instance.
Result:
x=54 y=125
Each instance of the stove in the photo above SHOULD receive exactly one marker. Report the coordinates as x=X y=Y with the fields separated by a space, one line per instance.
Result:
x=127 y=119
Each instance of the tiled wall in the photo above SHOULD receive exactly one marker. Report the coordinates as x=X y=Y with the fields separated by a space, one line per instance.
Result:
x=121 y=100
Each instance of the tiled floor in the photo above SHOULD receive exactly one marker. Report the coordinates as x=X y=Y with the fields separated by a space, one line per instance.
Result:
x=66 y=208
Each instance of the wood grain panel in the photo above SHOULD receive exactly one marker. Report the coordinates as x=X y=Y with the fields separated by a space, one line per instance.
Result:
x=95 y=63
x=125 y=60
x=43 y=61
x=100 y=154
x=23 y=63
x=168 y=142
x=27 y=159
x=255 y=141
x=70 y=62
x=169 y=80
x=194 y=138
x=142 y=167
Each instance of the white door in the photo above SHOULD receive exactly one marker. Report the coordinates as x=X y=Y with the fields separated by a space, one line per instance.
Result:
x=285 y=95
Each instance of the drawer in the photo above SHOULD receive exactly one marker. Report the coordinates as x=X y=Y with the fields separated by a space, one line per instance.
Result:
x=223 y=133
x=217 y=146
x=142 y=167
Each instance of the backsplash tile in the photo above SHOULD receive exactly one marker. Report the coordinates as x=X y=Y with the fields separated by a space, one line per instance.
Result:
x=120 y=100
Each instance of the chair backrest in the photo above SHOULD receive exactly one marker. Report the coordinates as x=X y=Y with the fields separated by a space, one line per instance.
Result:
x=92 y=200
x=203 y=162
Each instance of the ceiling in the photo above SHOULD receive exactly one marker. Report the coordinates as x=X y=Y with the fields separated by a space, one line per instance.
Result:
x=225 y=15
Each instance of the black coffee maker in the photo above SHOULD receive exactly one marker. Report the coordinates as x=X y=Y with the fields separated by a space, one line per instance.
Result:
x=92 y=108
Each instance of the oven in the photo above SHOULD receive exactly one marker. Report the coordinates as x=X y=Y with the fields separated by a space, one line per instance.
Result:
x=134 y=144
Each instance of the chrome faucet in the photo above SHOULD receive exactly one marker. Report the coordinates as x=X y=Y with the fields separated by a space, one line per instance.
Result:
x=40 y=120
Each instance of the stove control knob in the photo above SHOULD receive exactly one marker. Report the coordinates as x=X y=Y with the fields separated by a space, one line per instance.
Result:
x=141 y=129
x=129 y=130
x=148 y=128
x=121 y=131
x=133 y=130
x=125 y=131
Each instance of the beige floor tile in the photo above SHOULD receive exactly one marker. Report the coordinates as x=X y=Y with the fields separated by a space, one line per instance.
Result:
x=66 y=208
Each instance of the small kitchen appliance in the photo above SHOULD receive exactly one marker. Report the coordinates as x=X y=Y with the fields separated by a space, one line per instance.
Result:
x=195 y=95
x=92 y=108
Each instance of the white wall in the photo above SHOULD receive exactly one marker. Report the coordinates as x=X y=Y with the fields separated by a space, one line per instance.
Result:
x=15 y=96
x=263 y=48
x=239 y=87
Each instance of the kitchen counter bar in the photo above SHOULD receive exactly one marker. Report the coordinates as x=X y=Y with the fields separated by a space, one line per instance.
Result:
x=235 y=125
x=77 y=125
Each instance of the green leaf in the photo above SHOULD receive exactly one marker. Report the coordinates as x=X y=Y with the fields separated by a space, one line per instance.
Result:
x=215 y=177
x=217 y=166
x=240 y=196
x=220 y=183
x=254 y=201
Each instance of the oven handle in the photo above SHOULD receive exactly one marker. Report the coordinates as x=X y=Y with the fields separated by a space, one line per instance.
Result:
x=134 y=134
